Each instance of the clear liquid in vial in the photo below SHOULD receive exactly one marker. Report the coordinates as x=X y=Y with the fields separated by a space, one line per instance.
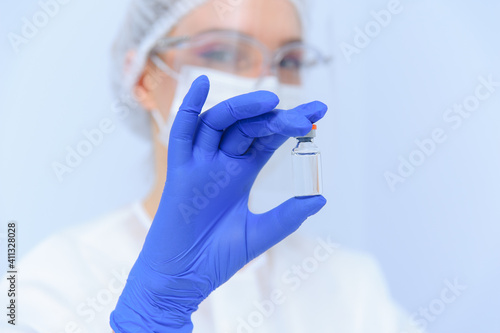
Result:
x=306 y=162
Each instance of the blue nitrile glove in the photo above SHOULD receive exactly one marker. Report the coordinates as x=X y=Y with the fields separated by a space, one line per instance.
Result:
x=203 y=232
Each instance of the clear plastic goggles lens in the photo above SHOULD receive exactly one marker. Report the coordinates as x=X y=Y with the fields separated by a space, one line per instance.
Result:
x=241 y=55
x=222 y=52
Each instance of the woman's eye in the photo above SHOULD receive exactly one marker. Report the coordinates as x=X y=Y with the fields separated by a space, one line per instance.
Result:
x=290 y=63
x=219 y=55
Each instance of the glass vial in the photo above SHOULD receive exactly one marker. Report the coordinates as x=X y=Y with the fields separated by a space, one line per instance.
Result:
x=306 y=162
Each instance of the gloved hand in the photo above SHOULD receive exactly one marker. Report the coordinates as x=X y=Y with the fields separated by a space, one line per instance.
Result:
x=203 y=231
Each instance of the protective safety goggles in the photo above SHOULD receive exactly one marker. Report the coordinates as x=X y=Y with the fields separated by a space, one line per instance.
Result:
x=239 y=54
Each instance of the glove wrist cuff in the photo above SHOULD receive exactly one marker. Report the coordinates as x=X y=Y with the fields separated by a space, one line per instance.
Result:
x=135 y=312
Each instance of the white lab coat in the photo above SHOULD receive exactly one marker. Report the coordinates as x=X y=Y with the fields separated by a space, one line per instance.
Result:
x=71 y=283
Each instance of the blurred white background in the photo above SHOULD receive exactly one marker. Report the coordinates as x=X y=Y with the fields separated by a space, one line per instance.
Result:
x=441 y=224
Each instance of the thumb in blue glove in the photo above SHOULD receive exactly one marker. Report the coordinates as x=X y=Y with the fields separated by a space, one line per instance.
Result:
x=203 y=231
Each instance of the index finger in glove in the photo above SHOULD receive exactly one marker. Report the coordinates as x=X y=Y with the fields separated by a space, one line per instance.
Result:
x=240 y=107
x=224 y=114
x=291 y=123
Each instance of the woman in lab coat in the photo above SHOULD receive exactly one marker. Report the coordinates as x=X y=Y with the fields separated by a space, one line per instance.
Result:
x=73 y=280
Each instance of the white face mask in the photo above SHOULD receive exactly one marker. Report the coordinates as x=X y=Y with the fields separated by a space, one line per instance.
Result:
x=223 y=86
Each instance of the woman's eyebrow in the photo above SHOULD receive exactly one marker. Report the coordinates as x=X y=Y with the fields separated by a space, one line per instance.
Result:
x=292 y=41
x=232 y=31
x=243 y=34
